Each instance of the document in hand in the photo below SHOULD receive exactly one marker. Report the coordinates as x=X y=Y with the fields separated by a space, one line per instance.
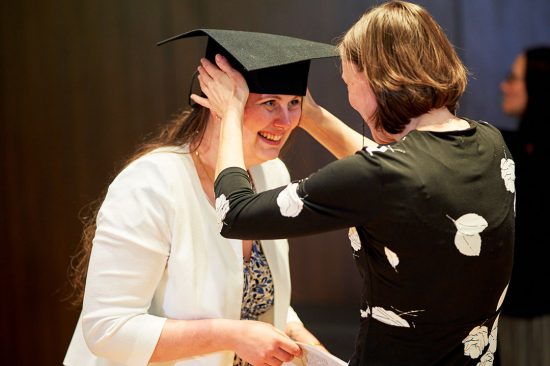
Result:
x=313 y=356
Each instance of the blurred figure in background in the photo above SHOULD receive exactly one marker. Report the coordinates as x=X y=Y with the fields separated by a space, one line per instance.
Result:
x=524 y=330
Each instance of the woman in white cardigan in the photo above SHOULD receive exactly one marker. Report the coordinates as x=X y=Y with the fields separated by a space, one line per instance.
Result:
x=162 y=285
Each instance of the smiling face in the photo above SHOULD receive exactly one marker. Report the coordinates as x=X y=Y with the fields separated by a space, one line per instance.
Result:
x=268 y=121
x=514 y=91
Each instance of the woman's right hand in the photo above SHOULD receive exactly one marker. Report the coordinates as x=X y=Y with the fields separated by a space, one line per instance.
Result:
x=312 y=112
x=223 y=86
x=260 y=343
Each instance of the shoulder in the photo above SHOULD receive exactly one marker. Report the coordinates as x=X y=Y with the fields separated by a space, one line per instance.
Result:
x=485 y=127
x=160 y=167
x=160 y=158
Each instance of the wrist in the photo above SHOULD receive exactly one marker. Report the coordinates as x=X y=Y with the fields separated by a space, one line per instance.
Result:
x=230 y=331
x=313 y=118
x=234 y=113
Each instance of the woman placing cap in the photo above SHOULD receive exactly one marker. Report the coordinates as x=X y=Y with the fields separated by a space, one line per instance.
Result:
x=431 y=208
x=162 y=284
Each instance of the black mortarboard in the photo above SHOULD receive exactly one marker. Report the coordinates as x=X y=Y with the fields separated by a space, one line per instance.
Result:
x=271 y=64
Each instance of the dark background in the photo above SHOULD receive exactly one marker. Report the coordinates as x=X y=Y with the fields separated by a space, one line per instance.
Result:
x=82 y=84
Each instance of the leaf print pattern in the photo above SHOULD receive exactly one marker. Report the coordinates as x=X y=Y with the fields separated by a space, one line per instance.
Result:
x=364 y=313
x=392 y=258
x=258 y=289
x=507 y=171
x=467 y=239
x=289 y=202
x=502 y=296
x=493 y=336
x=468 y=244
x=476 y=341
x=489 y=356
x=389 y=317
x=486 y=360
x=354 y=239
x=370 y=149
x=222 y=207
x=471 y=224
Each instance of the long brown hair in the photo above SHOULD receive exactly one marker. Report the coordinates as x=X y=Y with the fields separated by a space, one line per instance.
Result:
x=408 y=60
x=188 y=127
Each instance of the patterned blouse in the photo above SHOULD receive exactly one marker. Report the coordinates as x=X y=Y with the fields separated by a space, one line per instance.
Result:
x=432 y=234
x=258 y=290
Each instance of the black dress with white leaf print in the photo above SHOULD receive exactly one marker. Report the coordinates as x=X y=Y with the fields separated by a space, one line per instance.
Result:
x=434 y=216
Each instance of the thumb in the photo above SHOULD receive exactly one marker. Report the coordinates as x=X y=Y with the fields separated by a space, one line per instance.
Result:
x=200 y=100
x=291 y=347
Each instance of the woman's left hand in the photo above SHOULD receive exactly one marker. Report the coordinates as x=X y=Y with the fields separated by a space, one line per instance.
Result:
x=223 y=86
x=299 y=333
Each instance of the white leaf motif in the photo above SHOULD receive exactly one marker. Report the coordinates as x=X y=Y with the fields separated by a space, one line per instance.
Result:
x=468 y=244
x=365 y=313
x=392 y=257
x=371 y=149
x=508 y=173
x=389 y=317
x=354 y=239
x=475 y=341
x=470 y=224
x=493 y=336
x=222 y=206
x=486 y=360
x=467 y=239
x=288 y=201
x=501 y=299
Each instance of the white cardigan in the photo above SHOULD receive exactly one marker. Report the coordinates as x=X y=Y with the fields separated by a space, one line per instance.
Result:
x=157 y=254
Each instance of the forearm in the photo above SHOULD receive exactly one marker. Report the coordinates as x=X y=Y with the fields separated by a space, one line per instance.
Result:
x=333 y=134
x=256 y=342
x=230 y=152
x=186 y=338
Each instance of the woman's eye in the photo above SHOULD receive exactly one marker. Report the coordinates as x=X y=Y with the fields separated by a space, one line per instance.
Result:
x=295 y=102
x=269 y=103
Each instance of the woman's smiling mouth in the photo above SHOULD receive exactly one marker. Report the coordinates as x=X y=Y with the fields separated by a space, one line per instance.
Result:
x=269 y=137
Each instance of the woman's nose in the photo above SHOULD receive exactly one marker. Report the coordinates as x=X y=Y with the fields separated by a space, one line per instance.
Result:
x=284 y=119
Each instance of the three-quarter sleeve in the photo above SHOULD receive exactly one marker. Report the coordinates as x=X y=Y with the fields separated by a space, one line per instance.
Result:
x=129 y=255
x=340 y=195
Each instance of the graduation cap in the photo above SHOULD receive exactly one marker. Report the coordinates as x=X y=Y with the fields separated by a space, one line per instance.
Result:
x=270 y=63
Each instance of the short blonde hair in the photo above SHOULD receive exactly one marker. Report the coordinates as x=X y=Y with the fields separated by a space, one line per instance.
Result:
x=410 y=63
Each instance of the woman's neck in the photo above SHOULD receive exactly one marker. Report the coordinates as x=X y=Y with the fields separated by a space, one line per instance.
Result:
x=438 y=120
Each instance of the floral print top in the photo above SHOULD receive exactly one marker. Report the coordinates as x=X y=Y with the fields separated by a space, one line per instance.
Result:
x=431 y=221
x=258 y=289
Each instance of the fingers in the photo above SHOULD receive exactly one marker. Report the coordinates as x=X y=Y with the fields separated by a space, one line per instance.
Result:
x=224 y=65
x=201 y=100
x=281 y=356
x=289 y=346
x=221 y=68
x=276 y=361
x=207 y=68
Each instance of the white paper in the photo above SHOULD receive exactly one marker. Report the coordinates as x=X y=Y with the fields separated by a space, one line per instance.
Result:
x=314 y=356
